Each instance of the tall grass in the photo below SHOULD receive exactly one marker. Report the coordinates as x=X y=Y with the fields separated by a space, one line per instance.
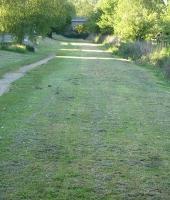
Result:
x=143 y=52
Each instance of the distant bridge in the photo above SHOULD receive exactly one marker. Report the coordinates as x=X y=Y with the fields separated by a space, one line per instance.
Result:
x=78 y=21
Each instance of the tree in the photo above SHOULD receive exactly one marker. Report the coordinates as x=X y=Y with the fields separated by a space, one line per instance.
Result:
x=93 y=20
x=64 y=18
x=165 y=24
x=30 y=17
x=138 y=19
x=106 y=21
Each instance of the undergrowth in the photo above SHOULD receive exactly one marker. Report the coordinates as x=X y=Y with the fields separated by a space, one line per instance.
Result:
x=142 y=52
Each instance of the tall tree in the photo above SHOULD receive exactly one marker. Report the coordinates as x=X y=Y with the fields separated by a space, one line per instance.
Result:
x=84 y=7
x=30 y=17
x=138 y=19
x=107 y=9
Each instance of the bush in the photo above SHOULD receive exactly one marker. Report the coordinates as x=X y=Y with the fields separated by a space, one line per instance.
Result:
x=80 y=29
x=160 y=57
x=30 y=48
x=76 y=35
x=15 y=48
x=79 y=32
x=143 y=52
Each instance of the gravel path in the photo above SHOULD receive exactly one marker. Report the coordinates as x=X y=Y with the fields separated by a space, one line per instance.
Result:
x=11 y=77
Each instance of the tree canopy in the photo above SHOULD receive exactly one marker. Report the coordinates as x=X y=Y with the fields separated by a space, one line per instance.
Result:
x=30 y=17
x=131 y=19
x=84 y=7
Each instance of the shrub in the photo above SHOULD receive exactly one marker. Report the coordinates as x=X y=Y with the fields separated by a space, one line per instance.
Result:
x=79 y=32
x=15 y=48
x=136 y=50
x=80 y=29
x=130 y=50
x=160 y=57
x=76 y=35
x=143 y=52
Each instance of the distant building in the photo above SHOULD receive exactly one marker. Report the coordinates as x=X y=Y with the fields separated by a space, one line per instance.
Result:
x=78 y=21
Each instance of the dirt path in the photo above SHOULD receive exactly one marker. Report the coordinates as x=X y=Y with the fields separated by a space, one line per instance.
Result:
x=11 y=77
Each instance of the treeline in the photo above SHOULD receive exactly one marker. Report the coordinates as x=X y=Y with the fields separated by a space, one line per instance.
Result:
x=34 y=17
x=134 y=29
x=84 y=7
x=131 y=19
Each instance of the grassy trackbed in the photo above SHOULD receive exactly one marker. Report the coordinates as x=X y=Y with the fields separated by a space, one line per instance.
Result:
x=79 y=128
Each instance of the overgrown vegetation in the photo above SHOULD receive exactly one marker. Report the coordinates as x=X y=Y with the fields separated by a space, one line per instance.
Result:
x=138 y=29
x=142 y=52
x=131 y=19
x=14 y=48
x=85 y=129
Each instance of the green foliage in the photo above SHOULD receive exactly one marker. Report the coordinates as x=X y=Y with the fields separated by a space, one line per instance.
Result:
x=80 y=32
x=135 y=19
x=158 y=57
x=143 y=52
x=15 y=48
x=162 y=53
x=102 y=19
x=135 y=23
x=84 y=7
x=161 y=58
x=33 y=17
x=131 y=19
x=165 y=24
x=80 y=29
x=92 y=23
x=106 y=22
x=63 y=19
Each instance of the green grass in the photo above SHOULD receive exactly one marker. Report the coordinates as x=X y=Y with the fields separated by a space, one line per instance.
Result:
x=11 y=61
x=78 y=129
